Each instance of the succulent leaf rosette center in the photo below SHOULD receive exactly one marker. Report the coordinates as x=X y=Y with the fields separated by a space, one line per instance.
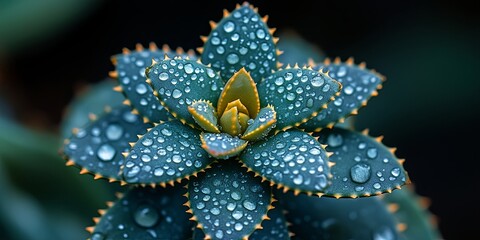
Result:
x=236 y=120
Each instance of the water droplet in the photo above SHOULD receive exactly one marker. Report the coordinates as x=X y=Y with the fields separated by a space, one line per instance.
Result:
x=260 y=33
x=372 y=153
x=247 y=204
x=200 y=205
x=219 y=234
x=114 y=132
x=147 y=142
x=395 y=172
x=215 y=211
x=206 y=190
x=215 y=40
x=146 y=216
x=235 y=37
x=232 y=58
x=279 y=81
x=314 y=151
x=163 y=76
x=290 y=96
x=188 y=68
x=229 y=26
x=348 y=90
x=317 y=81
x=97 y=236
x=176 y=93
x=360 y=173
x=334 y=140
x=238 y=226
x=298 y=179
x=237 y=214
x=166 y=132
x=231 y=206
x=384 y=234
x=376 y=185
x=146 y=158
x=106 y=152
x=158 y=172
x=141 y=89
x=176 y=159
x=236 y=195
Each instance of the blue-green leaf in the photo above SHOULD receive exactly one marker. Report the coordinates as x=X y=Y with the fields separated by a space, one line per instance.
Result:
x=178 y=82
x=363 y=165
x=97 y=147
x=412 y=213
x=93 y=100
x=359 y=84
x=168 y=152
x=145 y=213
x=130 y=71
x=297 y=94
x=222 y=145
x=327 y=218
x=241 y=39
x=292 y=159
x=274 y=228
x=228 y=195
x=261 y=125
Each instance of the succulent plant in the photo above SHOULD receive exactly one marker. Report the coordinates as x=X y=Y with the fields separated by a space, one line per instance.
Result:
x=217 y=138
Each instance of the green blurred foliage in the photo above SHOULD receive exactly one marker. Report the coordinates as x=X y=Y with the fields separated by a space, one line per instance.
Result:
x=23 y=22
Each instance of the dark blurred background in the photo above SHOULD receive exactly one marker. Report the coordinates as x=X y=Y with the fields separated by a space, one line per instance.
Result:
x=429 y=52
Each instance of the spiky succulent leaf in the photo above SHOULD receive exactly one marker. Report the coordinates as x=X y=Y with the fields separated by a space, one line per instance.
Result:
x=166 y=153
x=292 y=159
x=359 y=84
x=241 y=39
x=327 y=218
x=130 y=71
x=178 y=82
x=204 y=115
x=411 y=211
x=227 y=202
x=145 y=213
x=93 y=100
x=261 y=125
x=97 y=147
x=297 y=94
x=363 y=165
x=240 y=87
x=297 y=50
x=222 y=145
x=273 y=228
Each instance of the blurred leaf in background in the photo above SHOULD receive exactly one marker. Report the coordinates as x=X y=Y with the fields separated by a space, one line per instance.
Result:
x=23 y=22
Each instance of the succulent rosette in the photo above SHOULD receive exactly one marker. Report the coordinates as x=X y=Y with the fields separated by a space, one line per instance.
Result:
x=234 y=128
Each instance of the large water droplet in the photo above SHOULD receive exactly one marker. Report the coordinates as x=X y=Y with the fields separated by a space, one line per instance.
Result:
x=163 y=76
x=236 y=195
x=114 y=132
x=298 y=179
x=238 y=226
x=376 y=185
x=372 y=153
x=176 y=93
x=334 y=140
x=360 y=173
x=232 y=58
x=260 y=33
x=395 y=172
x=166 y=132
x=188 y=68
x=106 y=152
x=146 y=216
x=348 y=90
x=247 y=204
x=229 y=26
x=215 y=211
x=317 y=81
x=237 y=214
x=141 y=89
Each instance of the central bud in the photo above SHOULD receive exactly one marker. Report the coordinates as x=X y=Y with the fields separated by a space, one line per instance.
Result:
x=238 y=103
x=237 y=118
